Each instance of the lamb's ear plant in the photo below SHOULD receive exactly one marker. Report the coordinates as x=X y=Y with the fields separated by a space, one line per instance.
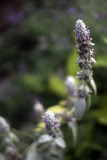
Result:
x=49 y=146
x=85 y=60
x=50 y=143
x=79 y=97
x=8 y=141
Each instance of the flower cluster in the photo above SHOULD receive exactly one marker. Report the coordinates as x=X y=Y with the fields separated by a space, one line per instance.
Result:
x=12 y=153
x=86 y=53
x=85 y=61
x=51 y=122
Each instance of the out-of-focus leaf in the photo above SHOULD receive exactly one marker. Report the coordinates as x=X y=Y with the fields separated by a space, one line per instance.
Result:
x=101 y=61
x=32 y=154
x=53 y=153
x=79 y=108
x=44 y=147
x=101 y=113
x=40 y=127
x=63 y=103
x=87 y=146
x=60 y=142
x=105 y=39
x=44 y=139
x=44 y=143
x=2 y=157
x=73 y=127
x=57 y=85
x=71 y=67
x=88 y=102
x=93 y=85
x=13 y=137
x=32 y=82
x=6 y=140
x=57 y=109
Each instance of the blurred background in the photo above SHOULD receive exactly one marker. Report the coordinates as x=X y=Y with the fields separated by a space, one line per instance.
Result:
x=37 y=53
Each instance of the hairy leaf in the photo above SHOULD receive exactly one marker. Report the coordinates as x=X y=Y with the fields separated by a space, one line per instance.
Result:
x=79 y=108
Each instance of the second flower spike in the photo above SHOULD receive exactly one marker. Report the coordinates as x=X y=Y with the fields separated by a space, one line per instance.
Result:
x=52 y=124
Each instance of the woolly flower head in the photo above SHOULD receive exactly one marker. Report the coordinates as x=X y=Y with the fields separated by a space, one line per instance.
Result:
x=49 y=117
x=4 y=126
x=81 y=30
x=51 y=122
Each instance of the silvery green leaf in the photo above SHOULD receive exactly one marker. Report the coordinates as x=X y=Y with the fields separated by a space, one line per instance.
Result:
x=89 y=102
x=6 y=140
x=60 y=142
x=51 y=154
x=13 y=137
x=32 y=154
x=73 y=127
x=2 y=157
x=43 y=147
x=93 y=85
x=54 y=152
x=44 y=143
x=79 y=108
x=44 y=139
x=9 y=138
x=93 y=60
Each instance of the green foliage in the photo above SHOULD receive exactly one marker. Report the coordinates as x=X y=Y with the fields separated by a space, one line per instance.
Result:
x=32 y=83
x=71 y=66
x=101 y=113
x=101 y=61
x=57 y=85
x=105 y=39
